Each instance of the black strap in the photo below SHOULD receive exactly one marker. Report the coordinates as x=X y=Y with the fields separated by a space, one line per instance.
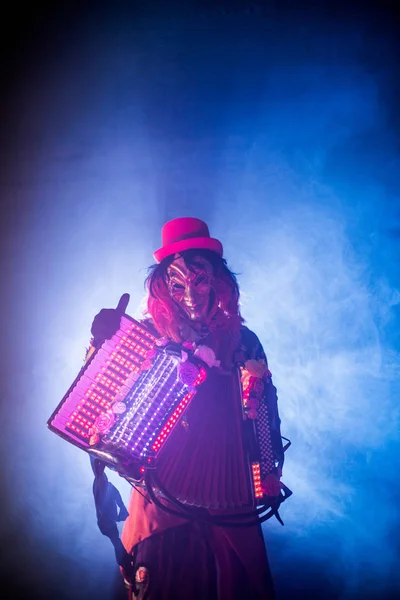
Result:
x=109 y=510
x=258 y=515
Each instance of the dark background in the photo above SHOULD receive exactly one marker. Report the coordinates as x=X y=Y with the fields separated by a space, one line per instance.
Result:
x=276 y=122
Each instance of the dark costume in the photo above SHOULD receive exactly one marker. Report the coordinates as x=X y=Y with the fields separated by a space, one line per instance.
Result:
x=203 y=465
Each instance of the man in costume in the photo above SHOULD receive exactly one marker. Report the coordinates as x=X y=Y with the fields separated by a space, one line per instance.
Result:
x=193 y=300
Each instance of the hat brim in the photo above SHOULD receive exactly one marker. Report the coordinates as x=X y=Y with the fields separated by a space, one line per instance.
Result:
x=189 y=244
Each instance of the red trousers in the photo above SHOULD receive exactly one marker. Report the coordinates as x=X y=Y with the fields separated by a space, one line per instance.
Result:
x=203 y=562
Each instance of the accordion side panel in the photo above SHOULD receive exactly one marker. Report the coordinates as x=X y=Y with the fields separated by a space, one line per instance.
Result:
x=267 y=462
x=108 y=377
x=258 y=432
x=150 y=403
x=128 y=399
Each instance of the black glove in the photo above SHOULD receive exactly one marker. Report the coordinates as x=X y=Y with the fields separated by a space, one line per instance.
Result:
x=108 y=321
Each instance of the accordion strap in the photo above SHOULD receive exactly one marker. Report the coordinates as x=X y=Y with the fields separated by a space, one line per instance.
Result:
x=110 y=509
x=248 y=519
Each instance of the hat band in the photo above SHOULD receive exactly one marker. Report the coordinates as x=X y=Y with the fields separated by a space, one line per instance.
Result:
x=204 y=243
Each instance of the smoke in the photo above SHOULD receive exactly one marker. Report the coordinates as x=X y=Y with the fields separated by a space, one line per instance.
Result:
x=275 y=145
x=317 y=292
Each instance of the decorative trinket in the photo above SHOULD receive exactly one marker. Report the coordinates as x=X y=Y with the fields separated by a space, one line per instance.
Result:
x=207 y=355
x=104 y=422
x=188 y=373
x=118 y=408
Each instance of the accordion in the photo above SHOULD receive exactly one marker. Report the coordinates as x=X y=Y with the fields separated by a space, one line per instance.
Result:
x=134 y=396
x=127 y=399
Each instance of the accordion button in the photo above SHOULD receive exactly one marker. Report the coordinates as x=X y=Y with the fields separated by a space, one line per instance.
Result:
x=94 y=439
x=118 y=408
x=252 y=414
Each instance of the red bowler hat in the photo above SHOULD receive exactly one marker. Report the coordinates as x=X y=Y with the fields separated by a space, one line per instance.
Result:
x=186 y=233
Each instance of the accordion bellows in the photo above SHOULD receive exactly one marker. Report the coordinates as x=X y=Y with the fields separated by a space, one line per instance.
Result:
x=204 y=463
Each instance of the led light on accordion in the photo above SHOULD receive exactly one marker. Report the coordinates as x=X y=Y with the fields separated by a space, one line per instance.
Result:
x=126 y=401
x=129 y=398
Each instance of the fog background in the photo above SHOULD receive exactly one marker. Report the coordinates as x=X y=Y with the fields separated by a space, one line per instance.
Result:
x=279 y=128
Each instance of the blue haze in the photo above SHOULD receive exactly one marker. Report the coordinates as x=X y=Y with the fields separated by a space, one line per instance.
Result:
x=278 y=135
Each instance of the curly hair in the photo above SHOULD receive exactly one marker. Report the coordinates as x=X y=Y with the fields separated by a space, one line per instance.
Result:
x=167 y=315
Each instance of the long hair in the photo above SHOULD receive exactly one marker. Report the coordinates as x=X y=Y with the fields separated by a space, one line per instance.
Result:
x=169 y=319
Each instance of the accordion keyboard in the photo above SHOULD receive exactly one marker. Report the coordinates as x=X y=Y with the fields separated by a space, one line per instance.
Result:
x=109 y=374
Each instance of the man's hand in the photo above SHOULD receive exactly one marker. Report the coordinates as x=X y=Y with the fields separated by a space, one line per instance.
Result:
x=108 y=320
x=271 y=485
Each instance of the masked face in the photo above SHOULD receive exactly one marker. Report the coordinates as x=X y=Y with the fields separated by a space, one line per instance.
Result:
x=191 y=288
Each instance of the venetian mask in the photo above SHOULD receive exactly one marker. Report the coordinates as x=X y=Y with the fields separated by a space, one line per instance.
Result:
x=191 y=288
